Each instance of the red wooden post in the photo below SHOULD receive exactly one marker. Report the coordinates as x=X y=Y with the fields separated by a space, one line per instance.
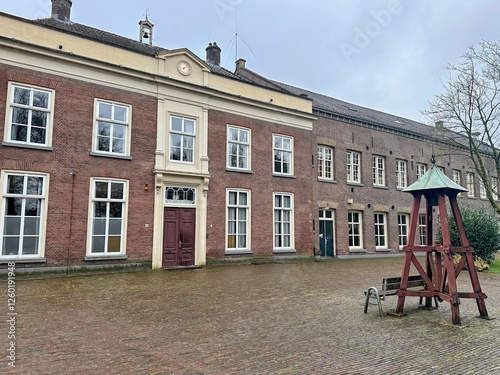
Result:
x=481 y=305
x=440 y=274
x=408 y=252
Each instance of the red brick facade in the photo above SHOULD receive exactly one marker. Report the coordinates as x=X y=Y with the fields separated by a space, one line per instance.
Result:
x=260 y=181
x=70 y=165
x=370 y=141
x=265 y=108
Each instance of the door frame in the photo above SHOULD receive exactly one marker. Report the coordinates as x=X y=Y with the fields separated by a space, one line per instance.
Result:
x=184 y=235
x=163 y=181
x=321 y=221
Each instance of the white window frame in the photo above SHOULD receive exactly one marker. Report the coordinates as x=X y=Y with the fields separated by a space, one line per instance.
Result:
x=184 y=134
x=421 y=169
x=283 y=222
x=457 y=178
x=114 y=124
x=471 y=192
x=403 y=226
x=482 y=189
x=48 y=110
x=355 y=223
x=236 y=142
x=401 y=175
x=380 y=223
x=108 y=200
x=325 y=163
x=422 y=229
x=179 y=196
x=378 y=170
x=241 y=227
x=282 y=150
x=24 y=197
x=494 y=187
x=353 y=164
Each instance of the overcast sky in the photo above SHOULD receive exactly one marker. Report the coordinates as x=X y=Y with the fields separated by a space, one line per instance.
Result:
x=389 y=55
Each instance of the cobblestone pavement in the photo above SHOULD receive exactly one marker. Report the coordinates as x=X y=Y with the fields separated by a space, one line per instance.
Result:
x=289 y=318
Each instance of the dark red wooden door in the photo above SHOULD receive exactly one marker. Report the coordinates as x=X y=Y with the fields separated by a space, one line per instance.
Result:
x=178 y=237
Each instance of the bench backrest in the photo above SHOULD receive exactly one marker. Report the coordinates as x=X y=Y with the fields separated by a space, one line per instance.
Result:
x=391 y=284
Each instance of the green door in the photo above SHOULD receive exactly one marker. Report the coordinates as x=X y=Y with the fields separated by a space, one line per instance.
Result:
x=326 y=233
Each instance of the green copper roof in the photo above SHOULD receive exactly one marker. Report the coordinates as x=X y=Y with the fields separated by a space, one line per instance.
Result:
x=434 y=179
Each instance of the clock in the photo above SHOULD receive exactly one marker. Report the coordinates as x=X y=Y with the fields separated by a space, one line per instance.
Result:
x=184 y=68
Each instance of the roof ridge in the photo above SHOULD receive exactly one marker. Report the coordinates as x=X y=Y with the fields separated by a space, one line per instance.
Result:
x=99 y=35
x=349 y=104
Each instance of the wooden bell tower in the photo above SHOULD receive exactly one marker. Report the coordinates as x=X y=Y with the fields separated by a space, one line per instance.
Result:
x=440 y=274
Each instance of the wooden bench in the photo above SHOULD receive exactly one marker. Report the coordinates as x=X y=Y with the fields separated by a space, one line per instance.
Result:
x=390 y=286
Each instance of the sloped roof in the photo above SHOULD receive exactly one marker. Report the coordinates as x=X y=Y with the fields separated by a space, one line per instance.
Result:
x=327 y=104
x=120 y=41
x=434 y=179
x=353 y=111
x=100 y=36
x=217 y=69
x=321 y=103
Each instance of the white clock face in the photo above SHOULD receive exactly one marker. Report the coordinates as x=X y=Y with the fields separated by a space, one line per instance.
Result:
x=184 y=68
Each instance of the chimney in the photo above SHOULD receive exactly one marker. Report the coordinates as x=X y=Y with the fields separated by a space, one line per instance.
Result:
x=213 y=53
x=61 y=9
x=240 y=64
x=439 y=125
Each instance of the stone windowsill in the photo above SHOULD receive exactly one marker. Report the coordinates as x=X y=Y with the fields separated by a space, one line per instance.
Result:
x=22 y=260
x=105 y=257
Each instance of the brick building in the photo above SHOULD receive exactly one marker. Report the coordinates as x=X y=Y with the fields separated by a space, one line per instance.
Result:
x=107 y=148
x=76 y=156
x=277 y=196
x=363 y=160
x=117 y=152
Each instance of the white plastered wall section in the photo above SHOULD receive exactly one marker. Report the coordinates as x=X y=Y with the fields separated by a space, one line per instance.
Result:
x=197 y=106
x=179 y=174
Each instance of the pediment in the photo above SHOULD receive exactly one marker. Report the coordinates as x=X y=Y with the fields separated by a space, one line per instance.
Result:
x=182 y=64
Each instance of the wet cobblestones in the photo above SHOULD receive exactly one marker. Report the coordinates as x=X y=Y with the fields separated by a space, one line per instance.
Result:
x=290 y=318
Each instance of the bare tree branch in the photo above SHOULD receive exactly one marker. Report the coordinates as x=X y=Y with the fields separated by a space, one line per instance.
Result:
x=469 y=108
